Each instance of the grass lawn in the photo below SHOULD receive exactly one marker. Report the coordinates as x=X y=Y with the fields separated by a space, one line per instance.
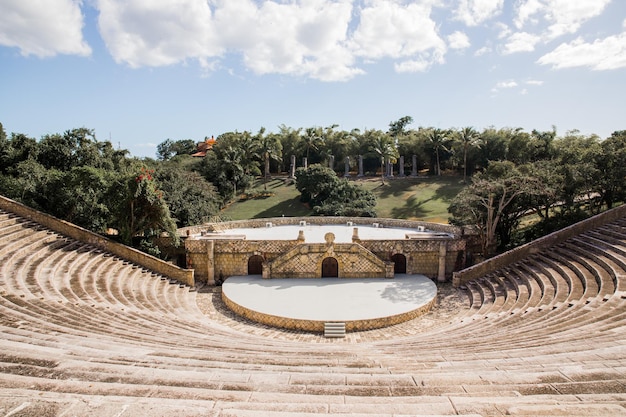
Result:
x=423 y=198
x=285 y=200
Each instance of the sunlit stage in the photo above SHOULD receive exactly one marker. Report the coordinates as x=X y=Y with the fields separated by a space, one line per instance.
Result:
x=308 y=303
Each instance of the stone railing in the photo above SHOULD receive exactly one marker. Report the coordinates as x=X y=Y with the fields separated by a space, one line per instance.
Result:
x=185 y=276
x=320 y=220
x=521 y=252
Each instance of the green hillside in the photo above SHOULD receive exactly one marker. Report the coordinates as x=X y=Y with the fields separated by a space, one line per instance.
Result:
x=423 y=198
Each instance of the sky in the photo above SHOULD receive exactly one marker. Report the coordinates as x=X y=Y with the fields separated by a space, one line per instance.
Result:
x=139 y=72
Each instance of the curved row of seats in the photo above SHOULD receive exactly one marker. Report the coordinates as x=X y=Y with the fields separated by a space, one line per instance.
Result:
x=543 y=336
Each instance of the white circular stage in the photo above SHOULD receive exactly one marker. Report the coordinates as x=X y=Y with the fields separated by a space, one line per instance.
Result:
x=308 y=303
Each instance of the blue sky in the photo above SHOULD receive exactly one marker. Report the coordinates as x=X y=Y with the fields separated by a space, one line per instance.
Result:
x=142 y=71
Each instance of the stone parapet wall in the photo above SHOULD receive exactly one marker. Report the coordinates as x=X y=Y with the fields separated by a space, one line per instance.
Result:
x=152 y=263
x=320 y=220
x=521 y=252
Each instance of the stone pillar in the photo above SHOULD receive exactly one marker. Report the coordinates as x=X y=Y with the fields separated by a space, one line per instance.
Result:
x=414 y=169
x=389 y=169
x=292 y=167
x=355 y=235
x=443 y=251
x=347 y=170
x=301 y=236
x=210 y=263
x=331 y=162
x=389 y=270
x=305 y=162
x=360 y=166
x=401 y=167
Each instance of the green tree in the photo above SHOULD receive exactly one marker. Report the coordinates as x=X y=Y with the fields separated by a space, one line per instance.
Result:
x=141 y=210
x=311 y=140
x=491 y=203
x=169 y=148
x=438 y=141
x=81 y=196
x=575 y=156
x=165 y=150
x=381 y=145
x=611 y=166
x=329 y=195
x=190 y=198
x=398 y=128
x=271 y=150
x=469 y=138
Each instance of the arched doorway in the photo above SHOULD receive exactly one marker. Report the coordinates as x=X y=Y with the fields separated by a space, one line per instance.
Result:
x=399 y=263
x=255 y=265
x=330 y=268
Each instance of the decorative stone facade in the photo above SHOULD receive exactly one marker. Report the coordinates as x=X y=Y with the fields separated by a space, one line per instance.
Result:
x=215 y=258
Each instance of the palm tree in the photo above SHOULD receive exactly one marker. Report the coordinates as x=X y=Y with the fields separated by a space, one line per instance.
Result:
x=233 y=159
x=469 y=138
x=311 y=139
x=271 y=150
x=438 y=138
x=382 y=145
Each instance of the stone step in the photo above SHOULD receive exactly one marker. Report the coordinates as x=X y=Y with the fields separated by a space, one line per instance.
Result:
x=335 y=330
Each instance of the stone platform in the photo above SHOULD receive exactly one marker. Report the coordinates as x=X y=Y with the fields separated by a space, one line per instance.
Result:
x=306 y=304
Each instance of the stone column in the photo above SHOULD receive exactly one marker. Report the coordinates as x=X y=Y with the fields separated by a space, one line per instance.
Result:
x=347 y=170
x=292 y=167
x=443 y=251
x=389 y=169
x=360 y=166
x=414 y=169
x=401 y=167
x=210 y=263
x=331 y=162
x=305 y=162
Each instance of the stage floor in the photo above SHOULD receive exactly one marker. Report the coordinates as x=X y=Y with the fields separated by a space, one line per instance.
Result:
x=307 y=303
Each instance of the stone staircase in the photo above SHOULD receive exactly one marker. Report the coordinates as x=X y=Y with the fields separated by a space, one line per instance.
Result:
x=87 y=333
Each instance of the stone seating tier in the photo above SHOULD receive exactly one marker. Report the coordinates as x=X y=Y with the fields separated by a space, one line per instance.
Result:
x=87 y=333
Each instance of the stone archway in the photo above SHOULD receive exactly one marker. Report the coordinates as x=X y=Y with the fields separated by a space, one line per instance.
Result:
x=399 y=263
x=330 y=268
x=255 y=265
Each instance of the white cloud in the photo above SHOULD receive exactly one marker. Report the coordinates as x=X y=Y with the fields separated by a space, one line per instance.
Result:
x=503 y=30
x=525 y=10
x=482 y=51
x=43 y=28
x=157 y=32
x=534 y=82
x=562 y=16
x=506 y=84
x=390 y=29
x=567 y=15
x=305 y=38
x=602 y=54
x=458 y=40
x=520 y=42
x=475 y=12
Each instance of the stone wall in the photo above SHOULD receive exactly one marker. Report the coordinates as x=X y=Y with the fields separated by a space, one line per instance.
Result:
x=320 y=220
x=521 y=252
x=229 y=255
x=152 y=263
x=305 y=261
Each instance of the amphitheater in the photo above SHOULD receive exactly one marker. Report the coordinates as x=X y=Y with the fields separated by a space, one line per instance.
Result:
x=91 y=329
